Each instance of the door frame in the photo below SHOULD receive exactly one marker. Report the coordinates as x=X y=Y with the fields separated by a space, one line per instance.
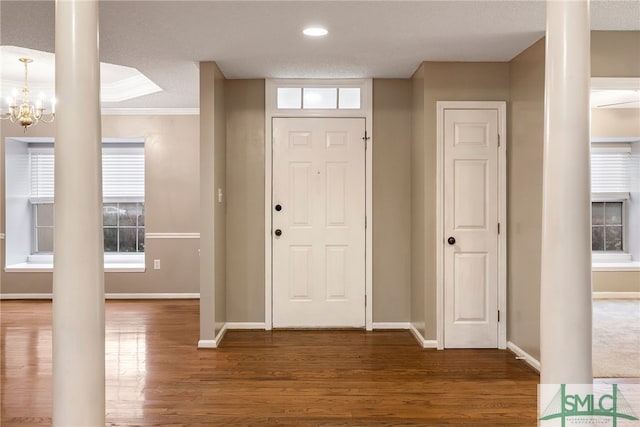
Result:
x=501 y=107
x=271 y=112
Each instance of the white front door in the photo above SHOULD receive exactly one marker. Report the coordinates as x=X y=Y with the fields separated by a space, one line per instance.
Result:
x=471 y=228
x=318 y=217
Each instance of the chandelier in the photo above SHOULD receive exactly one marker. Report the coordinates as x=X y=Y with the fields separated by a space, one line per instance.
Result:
x=27 y=114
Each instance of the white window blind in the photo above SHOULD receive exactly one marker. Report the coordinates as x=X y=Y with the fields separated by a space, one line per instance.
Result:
x=41 y=162
x=122 y=174
x=610 y=170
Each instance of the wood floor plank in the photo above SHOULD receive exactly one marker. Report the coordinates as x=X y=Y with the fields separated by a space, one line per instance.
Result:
x=155 y=375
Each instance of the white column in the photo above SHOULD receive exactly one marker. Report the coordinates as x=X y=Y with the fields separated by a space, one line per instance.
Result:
x=78 y=276
x=565 y=300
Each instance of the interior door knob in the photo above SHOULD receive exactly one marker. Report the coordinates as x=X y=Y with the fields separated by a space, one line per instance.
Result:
x=278 y=232
x=278 y=208
x=451 y=240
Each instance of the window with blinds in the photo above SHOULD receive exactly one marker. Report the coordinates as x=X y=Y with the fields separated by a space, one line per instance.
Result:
x=122 y=192
x=122 y=174
x=610 y=189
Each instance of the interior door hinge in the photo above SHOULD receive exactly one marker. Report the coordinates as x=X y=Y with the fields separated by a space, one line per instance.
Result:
x=365 y=222
x=365 y=300
x=498 y=228
x=498 y=315
x=498 y=140
x=366 y=139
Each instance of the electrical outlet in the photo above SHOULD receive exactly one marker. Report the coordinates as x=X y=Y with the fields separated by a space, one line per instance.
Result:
x=156 y=264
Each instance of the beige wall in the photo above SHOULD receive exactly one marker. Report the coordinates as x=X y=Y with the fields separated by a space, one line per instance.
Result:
x=615 y=53
x=616 y=281
x=615 y=122
x=245 y=200
x=391 y=200
x=212 y=210
x=524 y=188
x=171 y=205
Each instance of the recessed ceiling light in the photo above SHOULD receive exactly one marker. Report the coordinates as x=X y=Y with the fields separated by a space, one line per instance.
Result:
x=315 y=31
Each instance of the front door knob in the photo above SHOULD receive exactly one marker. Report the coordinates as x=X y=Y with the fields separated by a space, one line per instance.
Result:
x=278 y=232
x=451 y=240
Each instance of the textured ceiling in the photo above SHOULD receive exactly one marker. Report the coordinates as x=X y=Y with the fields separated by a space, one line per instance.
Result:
x=255 y=39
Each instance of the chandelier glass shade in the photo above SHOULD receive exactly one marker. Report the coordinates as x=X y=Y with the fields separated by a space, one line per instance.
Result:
x=25 y=113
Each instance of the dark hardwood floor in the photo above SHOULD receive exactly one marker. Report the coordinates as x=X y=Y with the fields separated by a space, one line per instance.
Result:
x=157 y=377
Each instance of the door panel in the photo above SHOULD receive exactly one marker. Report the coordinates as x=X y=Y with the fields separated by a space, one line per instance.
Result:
x=336 y=194
x=300 y=276
x=336 y=277
x=470 y=294
x=470 y=194
x=319 y=258
x=471 y=218
x=300 y=176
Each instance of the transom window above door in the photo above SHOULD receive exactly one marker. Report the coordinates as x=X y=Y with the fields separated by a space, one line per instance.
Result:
x=318 y=98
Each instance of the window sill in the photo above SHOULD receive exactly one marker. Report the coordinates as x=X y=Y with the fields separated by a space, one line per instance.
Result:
x=112 y=267
x=616 y=266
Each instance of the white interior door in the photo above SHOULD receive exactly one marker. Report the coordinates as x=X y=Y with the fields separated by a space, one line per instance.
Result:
x=471 y=228
x=318 y=239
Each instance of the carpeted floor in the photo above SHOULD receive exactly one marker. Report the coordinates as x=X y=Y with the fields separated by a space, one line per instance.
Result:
x=616 y=338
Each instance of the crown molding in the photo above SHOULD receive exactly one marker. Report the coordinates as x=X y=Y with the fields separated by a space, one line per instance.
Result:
x=128 y=88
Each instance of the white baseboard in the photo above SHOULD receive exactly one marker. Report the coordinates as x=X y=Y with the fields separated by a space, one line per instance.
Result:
x=533 y=362
x=616 y=295
x=391 y=325
x=207 y=344
x=246 y=325
x=424 y=343
x=25 y=296
x=177 y=295
x=214 y=343
x=262 y=325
